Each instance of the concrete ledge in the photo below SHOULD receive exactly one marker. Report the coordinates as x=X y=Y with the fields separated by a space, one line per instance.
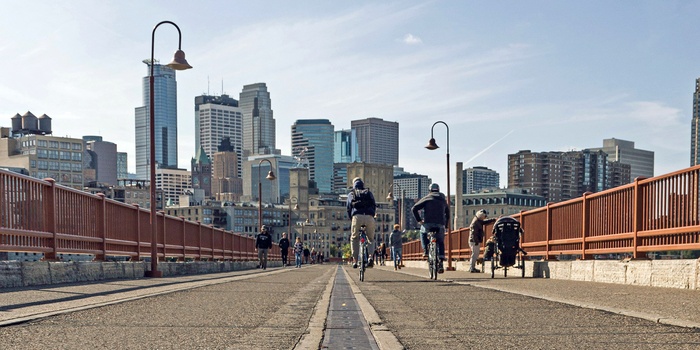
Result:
x=677 y=273
x=14 y=274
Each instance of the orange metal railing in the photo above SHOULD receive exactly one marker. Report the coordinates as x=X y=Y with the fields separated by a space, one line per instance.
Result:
x=40 y=216
x=649 y=215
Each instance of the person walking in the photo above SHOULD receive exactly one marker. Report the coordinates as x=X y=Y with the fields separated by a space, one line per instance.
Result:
x=263 y=243
x=307 y=253
x=361 y=208
x=476 y=236
x=284 y=248
x=298 y=252
x=396 y=243
x=436 y=214
x=382 y=254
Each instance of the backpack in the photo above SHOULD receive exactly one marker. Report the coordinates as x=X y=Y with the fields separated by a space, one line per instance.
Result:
x=361 y=199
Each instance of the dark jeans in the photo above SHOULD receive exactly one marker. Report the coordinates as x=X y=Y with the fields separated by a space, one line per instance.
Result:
x=285 y=254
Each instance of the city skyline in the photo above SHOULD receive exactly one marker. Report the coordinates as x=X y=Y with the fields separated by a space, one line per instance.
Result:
x=553 y=77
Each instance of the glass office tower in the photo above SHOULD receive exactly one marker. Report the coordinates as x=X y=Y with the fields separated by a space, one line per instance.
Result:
x=165 y=99
x=314 y=137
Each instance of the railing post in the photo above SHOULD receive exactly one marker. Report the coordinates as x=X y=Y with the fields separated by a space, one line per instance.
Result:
x=199 y=229
x=50 y=215
x=636 y=218
x=549 y=232
x=184 y=242
x=585 y=226
x=102 y=226
x=138 y=232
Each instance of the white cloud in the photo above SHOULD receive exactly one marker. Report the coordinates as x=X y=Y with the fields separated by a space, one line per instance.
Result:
x=411 y=39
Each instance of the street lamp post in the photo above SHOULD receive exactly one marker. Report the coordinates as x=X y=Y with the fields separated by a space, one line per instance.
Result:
x=296 y=207
x=179 y=63
x=433 y=146
x=270 y=176
x=399 y=201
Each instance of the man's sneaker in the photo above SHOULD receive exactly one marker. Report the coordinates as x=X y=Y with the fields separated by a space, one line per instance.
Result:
x=441 y=270
x=474 y=271
x=354 y=265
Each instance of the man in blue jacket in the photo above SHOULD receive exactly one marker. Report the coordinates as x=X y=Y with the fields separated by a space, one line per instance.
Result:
x=361 y=209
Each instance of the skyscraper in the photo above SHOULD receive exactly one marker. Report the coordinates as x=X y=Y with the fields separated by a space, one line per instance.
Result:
x=345 y=147
x=102 y=158
x=378 y=140
x=217 y=118
x=258 y=123
x=165 y=97
x=314 y=137
x=477 y=178
x=695 y=127
x=641 y=161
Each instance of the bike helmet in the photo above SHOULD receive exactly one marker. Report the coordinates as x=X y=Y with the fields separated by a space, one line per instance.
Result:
x=482 y=214
x=434 y=187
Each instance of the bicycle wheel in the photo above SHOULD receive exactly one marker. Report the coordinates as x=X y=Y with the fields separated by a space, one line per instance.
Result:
x=522 y=266
x=493 y=265
x=362 y=262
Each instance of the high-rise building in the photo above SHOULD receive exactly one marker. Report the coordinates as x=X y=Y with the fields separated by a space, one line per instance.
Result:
x=560 y=176
x=314 y=138
x=226 y=185
x=258 y=122
x=377 y=177
x=122 y=165
x=216 y=118
x=165 y=110
x=101 y=156
x=695 y=127
x=477 y=178
x=172 y=183
x=345 y=147
x=641 y=161
x=377 y=140
x=413 y=186
x=255 y=170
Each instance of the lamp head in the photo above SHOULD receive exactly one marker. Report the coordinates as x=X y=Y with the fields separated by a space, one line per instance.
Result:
x=179 y=62
x=432 y=145
x=296 y=206
x=270 y=175
x=390 y=197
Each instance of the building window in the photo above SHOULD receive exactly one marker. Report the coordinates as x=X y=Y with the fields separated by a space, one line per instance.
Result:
x=53 y=144
x=77 y=156
x=77 y=146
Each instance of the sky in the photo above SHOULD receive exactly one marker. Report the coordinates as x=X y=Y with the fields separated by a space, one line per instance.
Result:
x=504 y=76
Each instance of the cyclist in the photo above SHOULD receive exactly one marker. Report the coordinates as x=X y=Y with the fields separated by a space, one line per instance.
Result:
x=436 y=214
x=361 y=208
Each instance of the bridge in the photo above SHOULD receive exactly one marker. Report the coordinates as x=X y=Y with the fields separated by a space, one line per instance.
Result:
x=327 y=307
x=324 y=305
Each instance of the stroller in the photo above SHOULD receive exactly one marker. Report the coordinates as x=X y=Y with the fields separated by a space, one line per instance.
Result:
x=503 y=248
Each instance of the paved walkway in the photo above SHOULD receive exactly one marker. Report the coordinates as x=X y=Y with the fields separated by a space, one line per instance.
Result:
x=287 y=308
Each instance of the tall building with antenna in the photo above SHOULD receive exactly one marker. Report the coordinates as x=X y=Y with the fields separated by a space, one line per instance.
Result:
x=165 y=109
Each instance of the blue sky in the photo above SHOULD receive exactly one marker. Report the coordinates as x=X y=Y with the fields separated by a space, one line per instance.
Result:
x=504 y=75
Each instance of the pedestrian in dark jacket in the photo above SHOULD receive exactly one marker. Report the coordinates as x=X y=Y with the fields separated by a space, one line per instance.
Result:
x=263 y=244
x=476 y=236
x=284 y=248
x=307 y=253
x=436 y=214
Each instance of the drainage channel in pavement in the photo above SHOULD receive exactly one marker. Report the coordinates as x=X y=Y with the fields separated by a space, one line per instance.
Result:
x=346 y=327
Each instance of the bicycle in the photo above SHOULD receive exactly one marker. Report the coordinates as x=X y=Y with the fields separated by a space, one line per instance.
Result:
x=363 y=252
x=433 y=258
